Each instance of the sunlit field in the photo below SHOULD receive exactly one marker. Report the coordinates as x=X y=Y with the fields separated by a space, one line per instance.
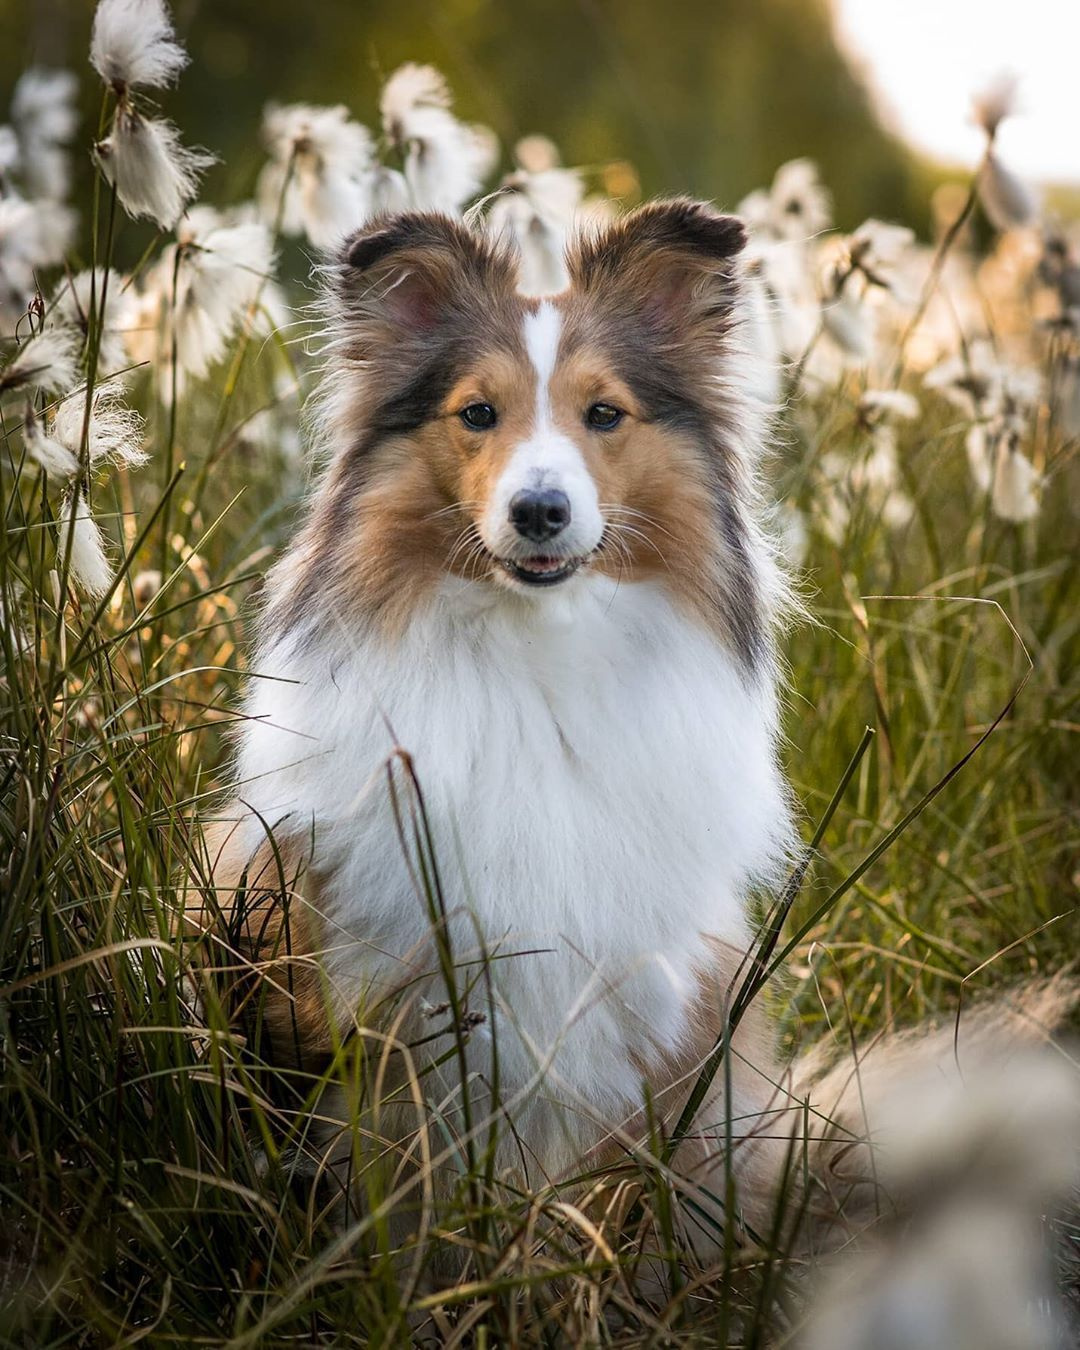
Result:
x=158 y=1177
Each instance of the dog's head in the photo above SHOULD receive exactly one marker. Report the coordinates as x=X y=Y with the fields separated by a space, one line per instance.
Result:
x=528 y=446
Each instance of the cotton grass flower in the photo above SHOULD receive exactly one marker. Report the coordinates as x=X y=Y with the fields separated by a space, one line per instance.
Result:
x=796 y=207
x=219 y=270
x=154 y=175
x=18 y=640
x=80 y=532
x=48 y=362
x=995 y=101
x=410 y=88
x=70 y=307
x=146 y=586
x=1015 y=493
x=46 y=119
x=388 y=192
x=802 y=206
x=317 y=180
x=983 y=385
x=1059 y=268
x=43 y=106
x=785 y=294
x=864 y=484
x=44 y=231
x=536 y=154
x=115 y=430
x=21 y=249
x=446 y=162
x=33 y=235
x=1007 y=200
x=850 y=323
x=133 y=45
x=536 y=209
x=198 y=296
x=56 y=459
x=877 y=247
x=979 y=446
x=113 y=433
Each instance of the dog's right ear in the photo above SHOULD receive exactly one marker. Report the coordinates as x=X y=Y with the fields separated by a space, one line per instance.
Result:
x=409 y=275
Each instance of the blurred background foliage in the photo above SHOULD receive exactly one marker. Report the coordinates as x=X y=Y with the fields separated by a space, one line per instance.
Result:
x=700 y=96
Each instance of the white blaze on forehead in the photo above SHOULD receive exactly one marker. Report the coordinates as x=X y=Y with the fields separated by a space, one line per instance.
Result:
x=542 y=332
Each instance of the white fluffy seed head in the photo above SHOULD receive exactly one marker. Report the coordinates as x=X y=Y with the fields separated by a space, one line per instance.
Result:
x=536 y=212
x=154 y=175
x=115 y=430
x=797 y=206
x=389 y=192
x=536 y=154
x=71 y=305
x=1015 y=492
x=317 y=180
x=878 y=244
x=410 y=87
x=47 y=171
x=222 y=274
x=90 y=566
x=113 y=433
x=56 y=459
x=978 y=446
x=43 y=106
x=446 y=161
x=983 y=385
x=32 y=235
x=48 y=362
x=995 y=101
x=45 y=121
x=849 y=321
x=133 y=45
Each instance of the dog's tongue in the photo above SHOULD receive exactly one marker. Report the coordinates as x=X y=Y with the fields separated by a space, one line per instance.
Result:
x=542 y=564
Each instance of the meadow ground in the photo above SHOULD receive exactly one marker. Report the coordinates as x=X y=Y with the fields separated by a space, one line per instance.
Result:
x=926 y=464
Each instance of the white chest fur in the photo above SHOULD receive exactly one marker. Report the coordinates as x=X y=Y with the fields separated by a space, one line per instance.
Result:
x=603 y=790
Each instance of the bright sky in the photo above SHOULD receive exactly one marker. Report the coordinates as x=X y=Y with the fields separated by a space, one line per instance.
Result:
x=925 y=57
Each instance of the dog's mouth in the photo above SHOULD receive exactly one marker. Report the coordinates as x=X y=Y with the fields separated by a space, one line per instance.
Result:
x=541 y=569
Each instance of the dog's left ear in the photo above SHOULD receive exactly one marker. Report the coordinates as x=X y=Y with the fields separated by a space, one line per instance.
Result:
x=672 y=263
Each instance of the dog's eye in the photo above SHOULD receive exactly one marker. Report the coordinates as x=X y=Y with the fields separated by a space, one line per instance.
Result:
x=603 y=416
x=479 y=416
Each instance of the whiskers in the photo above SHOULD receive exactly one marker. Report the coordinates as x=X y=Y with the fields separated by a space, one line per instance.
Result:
x=452 y=509
x=621 y=532
x=468 y=552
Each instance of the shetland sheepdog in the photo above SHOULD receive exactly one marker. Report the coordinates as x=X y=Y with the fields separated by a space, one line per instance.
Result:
x=512 y=722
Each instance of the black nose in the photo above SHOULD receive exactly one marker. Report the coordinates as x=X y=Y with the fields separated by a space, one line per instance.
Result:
x=538 y=515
